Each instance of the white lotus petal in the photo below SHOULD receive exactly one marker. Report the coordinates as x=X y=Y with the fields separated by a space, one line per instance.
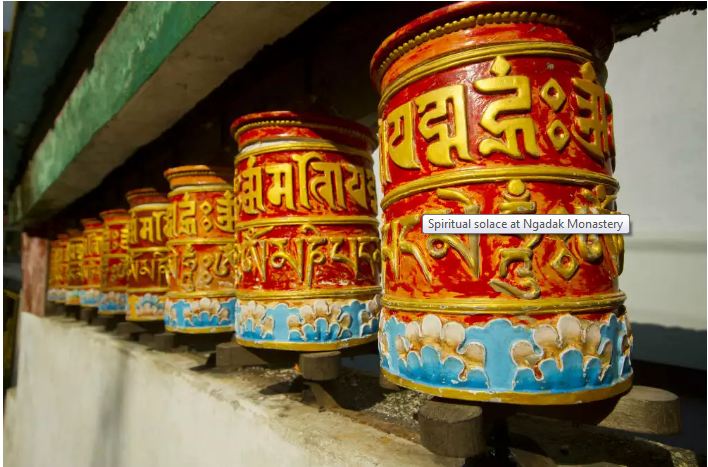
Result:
x=475 y=352
x=546 y=336
x=592 y=338
x=523 y=354
x=453 y=333
x=569 y=329
x=412 y=331
x=321 y=308
x=431 y=326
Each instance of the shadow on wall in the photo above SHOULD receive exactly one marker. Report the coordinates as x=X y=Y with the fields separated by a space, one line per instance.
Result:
x=669 y=345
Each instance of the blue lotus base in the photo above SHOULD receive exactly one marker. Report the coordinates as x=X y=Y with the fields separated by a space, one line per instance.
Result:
x=56 y=295
x=552 y=359
x=308 y=325
x=90 y=297
x=200 y=315
x=113 y=303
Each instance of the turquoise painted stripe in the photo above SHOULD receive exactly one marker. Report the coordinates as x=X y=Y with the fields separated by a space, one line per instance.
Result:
x=143 y=37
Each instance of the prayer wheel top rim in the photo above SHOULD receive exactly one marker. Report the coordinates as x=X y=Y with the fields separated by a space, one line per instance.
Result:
x=145 y=196
x=62 y=237
x=187 y=175
x=582 y=24
x=73 y=233
x=311 y=121
x=90 y=223
x=113 y=214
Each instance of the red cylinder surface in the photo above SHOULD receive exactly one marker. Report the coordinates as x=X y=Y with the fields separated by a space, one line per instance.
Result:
x=306 y=232
x=500 y=108
x=147 y=255
x=114 y=263
x=201 y=228
x=90 y=294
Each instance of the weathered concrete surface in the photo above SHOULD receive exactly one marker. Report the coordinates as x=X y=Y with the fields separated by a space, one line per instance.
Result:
x=87 y=398
x=160 y=59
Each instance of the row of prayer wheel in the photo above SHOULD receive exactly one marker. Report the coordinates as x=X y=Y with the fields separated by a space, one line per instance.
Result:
x=484 y=109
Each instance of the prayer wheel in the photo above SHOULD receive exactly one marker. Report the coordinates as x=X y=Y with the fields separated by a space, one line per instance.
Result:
x=57 y=269
x=306 y=232
x=74 y=278
x=114 y=263
x=146 y=282
x=91 y=263
x=201 y=242
x=51 y=277
x=499 y=108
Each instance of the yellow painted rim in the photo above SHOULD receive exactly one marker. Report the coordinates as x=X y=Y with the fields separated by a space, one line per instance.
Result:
x=470 y=175
x=148 y=249
x=150 y=207
x=202 y=294
x=144 y=320
x=480 y=54
x=216 y=188
x=541 y=398
x=306 y=346
x=302 y=124
x=145 y=290
x=472 y=306
x=316 y=220
x=345 y=292
x=201 y=241
x=470 y=22
x=210 y=330
x=303 y=146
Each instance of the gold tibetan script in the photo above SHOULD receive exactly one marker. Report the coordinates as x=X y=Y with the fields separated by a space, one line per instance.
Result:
x=397 y=134
x=317 y=180
x=439 y=245
x=442 y=124
x=185 y=220
x=302 y=253
x=281 y=189
x=517 y=200
x=328 y=187
x=434 y=108
x=391 y=252
x=502 y=82
x=591 y=127
x=149 y=228
x=225 y=220
x=153 y=266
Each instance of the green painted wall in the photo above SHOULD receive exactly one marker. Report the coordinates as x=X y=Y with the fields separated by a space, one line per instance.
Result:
x=144 y=36
x=44 y=35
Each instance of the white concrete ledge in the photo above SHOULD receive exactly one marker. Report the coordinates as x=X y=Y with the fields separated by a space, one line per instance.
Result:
x=87 y=398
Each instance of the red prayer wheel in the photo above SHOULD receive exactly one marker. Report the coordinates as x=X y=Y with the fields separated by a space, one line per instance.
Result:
x=52 y=271
x=499 y=108
x=201 y=242
x=90 y=294
x=114 y=263
x=57 y=274
x=74 y=256
x=147 y=255
x=306 y=232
